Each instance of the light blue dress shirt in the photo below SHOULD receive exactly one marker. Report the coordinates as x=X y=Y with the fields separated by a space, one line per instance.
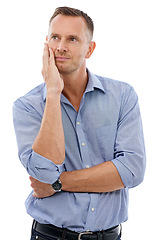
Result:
x=107 y=127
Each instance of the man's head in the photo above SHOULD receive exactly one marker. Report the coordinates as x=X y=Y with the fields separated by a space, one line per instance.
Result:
x=67 y=11
x=70 y=37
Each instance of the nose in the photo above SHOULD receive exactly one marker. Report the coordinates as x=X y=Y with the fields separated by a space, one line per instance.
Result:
x=62 y=46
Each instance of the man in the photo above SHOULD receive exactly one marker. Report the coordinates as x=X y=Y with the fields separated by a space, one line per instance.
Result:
x=80 y=139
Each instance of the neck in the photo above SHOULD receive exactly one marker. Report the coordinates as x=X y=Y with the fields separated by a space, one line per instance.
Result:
x=74 y=86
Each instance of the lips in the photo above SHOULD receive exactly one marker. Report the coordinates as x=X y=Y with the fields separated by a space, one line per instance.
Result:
x=61 y=58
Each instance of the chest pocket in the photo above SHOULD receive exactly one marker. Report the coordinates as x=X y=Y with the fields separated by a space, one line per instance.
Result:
x=106 y=140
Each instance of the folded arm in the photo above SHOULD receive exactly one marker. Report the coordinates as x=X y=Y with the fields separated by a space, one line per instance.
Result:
x=101 y=178
x=128 y=166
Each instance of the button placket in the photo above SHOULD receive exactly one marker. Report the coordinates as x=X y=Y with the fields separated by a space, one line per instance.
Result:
x=82 y=142
x=92 y=211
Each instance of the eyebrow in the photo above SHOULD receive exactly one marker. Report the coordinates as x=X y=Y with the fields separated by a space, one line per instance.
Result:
x=54 y=34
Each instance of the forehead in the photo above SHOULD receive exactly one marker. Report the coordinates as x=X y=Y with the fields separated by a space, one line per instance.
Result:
x=68 y=25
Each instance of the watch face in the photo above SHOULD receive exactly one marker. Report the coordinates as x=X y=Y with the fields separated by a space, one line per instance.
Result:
x=57 y=185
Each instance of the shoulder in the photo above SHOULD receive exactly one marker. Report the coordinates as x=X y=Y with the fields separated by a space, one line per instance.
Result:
x=116 y=87
x=109 y=83
x=117 y=92
x=32 y=99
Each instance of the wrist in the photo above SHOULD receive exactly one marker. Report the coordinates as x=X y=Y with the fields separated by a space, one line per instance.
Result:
x=57 y=185
x=66 y=181
x=53 y=93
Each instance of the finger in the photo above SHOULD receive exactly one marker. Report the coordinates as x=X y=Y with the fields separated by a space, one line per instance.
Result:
x=51 y=58
x=34 y=195
x=61 y=76
x=45 y=55
x=33 y=183
x=32 y=179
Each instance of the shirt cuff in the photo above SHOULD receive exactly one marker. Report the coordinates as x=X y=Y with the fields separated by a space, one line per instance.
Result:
x=125 y=174
x=43 y=169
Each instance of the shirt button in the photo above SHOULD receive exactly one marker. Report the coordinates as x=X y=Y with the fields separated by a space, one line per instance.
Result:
x=92 y=209
x=83 y=144
x=87 y=166
x=78 y=123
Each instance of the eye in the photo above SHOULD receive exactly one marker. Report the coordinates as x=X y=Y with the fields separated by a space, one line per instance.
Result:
x=54 y=37
x=73 y=39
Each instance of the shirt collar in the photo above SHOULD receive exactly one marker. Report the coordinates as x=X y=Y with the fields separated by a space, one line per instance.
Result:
x=93 y=82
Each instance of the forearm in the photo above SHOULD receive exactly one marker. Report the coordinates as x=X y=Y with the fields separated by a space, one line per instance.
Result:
x=101 y=178
x=50 y=139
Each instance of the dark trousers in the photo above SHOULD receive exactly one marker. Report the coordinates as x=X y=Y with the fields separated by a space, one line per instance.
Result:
x=38 y=236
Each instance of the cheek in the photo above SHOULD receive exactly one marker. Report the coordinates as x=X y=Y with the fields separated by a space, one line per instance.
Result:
x=81 y=54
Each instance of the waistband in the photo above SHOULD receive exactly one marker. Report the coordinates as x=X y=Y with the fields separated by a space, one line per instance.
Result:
x=65 y=234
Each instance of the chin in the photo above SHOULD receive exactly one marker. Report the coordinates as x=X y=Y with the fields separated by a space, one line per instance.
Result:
x=64 y=70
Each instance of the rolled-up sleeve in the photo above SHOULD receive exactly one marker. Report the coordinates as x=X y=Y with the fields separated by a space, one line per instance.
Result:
x=27 y=122
x=129 y=152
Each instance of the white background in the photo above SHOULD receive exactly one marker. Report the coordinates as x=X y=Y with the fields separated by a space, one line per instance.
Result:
x=127 y=50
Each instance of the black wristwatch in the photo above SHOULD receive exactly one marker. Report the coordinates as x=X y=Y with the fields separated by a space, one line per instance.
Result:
x=57 y=186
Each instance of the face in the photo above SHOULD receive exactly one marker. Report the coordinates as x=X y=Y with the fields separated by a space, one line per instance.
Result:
x=69 y=38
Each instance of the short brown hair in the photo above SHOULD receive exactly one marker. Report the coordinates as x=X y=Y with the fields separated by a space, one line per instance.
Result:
x=67 y=11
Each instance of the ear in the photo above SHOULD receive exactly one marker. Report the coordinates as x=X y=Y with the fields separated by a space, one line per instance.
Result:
x=91 y=48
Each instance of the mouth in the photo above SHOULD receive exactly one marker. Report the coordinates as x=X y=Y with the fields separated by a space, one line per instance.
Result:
x=61 y=58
